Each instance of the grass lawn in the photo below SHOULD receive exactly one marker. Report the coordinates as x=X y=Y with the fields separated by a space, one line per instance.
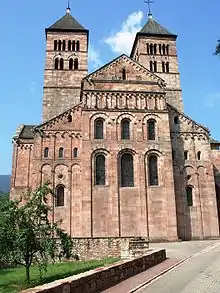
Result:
x=13 y=280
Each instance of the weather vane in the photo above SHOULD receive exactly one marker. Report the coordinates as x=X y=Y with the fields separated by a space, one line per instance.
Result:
x=149 y=2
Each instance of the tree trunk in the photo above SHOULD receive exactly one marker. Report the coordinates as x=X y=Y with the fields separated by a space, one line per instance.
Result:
x=27 y=273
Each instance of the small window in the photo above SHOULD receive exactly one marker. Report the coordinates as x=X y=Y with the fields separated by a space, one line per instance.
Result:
x=176 y=120
x=76 y=64
x=71 y=64
x=59 y=45
x=56 y=64
x=69 y=118
x=151 y=65
x=69 y=45
x=168 y=49
x=61 y=153
x=125 y=129
x=151 y=130
x=160 y=49
x=164 y=49
x=61 y=64
x=100 y=170
x=77 y=46
x=46 y=152
x=73 y=45
x=99 y=129
x=148 y=49
x=59 y=196
x=75 y=152
x=155 y=66
x=153 y=170
x=163 y=66
x=186 y=155
x=167 y=67
x=151 y=49
x=55 y=45
x=124 y=74
x=127 y=170
x=189 y=195
x=199 y=155
x=64 y=45
x=155 y=49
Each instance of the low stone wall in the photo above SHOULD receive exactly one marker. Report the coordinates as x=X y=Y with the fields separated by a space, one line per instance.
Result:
x=102 y=278
x=99 y=248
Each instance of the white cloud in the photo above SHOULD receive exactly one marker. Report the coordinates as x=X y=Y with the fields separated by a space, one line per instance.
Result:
x=121 y=41
x=94 y=57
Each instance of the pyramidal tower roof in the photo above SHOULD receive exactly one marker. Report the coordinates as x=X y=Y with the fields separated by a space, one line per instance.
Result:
x=67 y=23
x=153 y=28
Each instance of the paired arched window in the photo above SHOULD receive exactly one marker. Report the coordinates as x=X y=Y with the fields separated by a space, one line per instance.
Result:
x=127 y=170
x=59 y=196
x=199 y=156
x=99 y=128
x=125 y=129
x=73 y=64
x=100 y=169
x=46 y=152
x=153 y=170
x=153 y=66
x=75 y=152
x=59 y=63
x=151 y=133
x=61 y=153
x=76 y=64
x=189 y=196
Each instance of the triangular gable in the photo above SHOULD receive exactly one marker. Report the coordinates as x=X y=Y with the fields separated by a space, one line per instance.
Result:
x=113 y=71
x=62 y=121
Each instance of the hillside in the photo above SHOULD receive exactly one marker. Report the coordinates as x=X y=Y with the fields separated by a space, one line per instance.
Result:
x=4 y=183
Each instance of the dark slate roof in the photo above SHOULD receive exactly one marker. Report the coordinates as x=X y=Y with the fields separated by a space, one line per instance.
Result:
x=154 y=28
x=66 y=23
x=26 y=132
x=213 y=141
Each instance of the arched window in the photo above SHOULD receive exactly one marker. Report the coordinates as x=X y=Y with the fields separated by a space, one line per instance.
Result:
x=189 y=196
x=199 y=155
x=148 y=49
x=124 y=74
x=59 y=45
x=167 y=67
x=164 y=49
x=186 y=155
x=153 y=170
x=64 y=45
x=75 y=152
x=76 y=64
x=77 y=46
x=99 y=128
x=71 y=64
x=55 y=45
x=163 y=66
x=61 y=153
x=69 y=118
x=100 y=170
x=59 y=199
x=46 y=152
x=155 y=66
x=56 y=64
x=155 y=49
x=168 y=47
x=127 y=170
x=160 y=49
x=125 y=129
x=73 y=45
x=69 y=45
x=151 y=65
x=151 y=129
x=176 y=120
x=61 y=63
x=151 y=49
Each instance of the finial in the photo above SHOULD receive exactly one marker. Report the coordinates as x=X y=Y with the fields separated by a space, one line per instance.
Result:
x=68 y=7
x=149 y=2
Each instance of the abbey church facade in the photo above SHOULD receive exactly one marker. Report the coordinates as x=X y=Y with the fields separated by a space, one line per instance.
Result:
x=119 y=152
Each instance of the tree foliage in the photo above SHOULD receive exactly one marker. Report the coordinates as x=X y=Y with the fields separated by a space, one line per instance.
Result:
x=217 y=50
x=27 y=235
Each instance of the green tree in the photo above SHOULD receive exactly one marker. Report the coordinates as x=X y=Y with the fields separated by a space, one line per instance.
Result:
x=217 y=50
x=27 y=235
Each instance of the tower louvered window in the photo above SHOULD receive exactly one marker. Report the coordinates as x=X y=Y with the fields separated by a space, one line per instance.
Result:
x=100 y=170
x=127 y=170
x=153 y=170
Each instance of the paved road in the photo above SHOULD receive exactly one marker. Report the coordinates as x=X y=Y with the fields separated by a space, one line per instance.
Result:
x=200 y=274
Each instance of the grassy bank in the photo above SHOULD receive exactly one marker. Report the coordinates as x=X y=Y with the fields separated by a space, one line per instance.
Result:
x=13 y=280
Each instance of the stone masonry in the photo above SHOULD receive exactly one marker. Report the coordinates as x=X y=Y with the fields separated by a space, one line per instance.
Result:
x=183 y=200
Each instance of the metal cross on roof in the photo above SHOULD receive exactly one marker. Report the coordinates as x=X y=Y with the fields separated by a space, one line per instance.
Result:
x=149 y=2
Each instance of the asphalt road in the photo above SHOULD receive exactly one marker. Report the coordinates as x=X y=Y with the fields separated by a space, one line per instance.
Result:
x=199 y=274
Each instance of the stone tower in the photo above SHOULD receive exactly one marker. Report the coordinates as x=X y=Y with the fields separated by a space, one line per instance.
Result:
x=66 y=65
x=155 y=48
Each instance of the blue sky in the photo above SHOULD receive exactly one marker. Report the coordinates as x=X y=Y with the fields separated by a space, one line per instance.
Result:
x=22 y=51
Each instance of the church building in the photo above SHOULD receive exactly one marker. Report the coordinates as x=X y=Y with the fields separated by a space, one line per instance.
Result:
x=120 y=154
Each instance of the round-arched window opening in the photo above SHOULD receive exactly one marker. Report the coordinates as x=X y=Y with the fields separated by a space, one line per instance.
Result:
x=176 y=120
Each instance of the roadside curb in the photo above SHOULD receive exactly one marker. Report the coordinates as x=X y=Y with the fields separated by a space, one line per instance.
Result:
x=160 y=274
